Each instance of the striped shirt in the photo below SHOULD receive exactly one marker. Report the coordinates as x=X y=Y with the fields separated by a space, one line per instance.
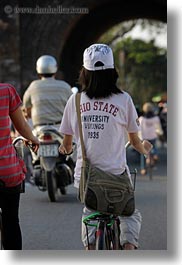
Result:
x=47 y=99
x=11 y=172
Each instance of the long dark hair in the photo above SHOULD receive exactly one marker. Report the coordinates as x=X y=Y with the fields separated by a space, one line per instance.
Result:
x=100 y=83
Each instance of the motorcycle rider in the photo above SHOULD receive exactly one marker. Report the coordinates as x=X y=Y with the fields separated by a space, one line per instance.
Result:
x=45 y=99
x=44 y=102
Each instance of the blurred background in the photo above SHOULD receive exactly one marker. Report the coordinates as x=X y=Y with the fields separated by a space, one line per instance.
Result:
x=136 y=31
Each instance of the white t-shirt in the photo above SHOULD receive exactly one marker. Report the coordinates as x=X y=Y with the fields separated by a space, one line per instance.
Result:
x=150 y=127
x=104 y=124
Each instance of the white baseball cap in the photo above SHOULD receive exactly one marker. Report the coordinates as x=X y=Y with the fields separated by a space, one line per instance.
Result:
x=98 y=53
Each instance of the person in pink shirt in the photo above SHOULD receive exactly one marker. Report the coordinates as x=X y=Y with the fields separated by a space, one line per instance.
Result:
x=12 y=171
x=150 y=129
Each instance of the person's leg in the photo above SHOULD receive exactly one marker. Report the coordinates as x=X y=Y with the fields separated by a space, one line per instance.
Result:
x=129 y=246
x=88 y=232
x=12 y=238
x=154 y=150
x=130 y=229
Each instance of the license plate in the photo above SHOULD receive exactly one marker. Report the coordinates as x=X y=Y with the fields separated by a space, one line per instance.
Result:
x=48 y=150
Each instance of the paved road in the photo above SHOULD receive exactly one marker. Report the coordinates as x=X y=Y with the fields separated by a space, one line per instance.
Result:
x=56 y=226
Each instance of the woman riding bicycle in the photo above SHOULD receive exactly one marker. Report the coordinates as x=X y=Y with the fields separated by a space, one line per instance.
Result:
x=150 y=129
x=107 y=113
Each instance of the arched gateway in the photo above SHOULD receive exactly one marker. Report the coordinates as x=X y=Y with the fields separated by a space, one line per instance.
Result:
x=66 y=34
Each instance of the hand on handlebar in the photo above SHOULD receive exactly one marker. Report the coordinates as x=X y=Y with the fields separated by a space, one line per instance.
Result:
x=63 y=151
x=34 y=146
x=147 y=146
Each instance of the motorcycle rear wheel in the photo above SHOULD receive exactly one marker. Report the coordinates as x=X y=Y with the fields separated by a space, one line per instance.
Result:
x=63 y=190
x=51 y=186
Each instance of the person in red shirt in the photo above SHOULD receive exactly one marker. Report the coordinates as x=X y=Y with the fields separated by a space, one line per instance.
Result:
x=11 y=167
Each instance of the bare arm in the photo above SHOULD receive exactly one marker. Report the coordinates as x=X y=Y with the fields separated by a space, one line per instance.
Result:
x=22 y=126
x=66 y=147
x=142 y=147
x=28 y=113
x=27 y=102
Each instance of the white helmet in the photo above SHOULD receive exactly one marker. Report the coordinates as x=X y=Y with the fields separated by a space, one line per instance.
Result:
x=46 y=64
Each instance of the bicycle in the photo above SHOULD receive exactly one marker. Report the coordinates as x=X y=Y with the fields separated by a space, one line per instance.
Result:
x=149 y=163
x=107 y=235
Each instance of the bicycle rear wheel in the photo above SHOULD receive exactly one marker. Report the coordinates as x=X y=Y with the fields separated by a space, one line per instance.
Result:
x=116 y=235
x=100 y=236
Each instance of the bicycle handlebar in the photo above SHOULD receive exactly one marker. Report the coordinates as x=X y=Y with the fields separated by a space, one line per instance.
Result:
x=17 y=139
x=27 y=143
x=127 y=144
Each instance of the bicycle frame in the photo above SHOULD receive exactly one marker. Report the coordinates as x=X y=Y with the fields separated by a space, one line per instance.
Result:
x=107 y=230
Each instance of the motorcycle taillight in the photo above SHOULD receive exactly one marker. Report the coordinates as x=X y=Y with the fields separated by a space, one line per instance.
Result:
x=46 y=137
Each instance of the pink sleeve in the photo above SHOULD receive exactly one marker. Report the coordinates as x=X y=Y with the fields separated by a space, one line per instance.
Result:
x=15 y=100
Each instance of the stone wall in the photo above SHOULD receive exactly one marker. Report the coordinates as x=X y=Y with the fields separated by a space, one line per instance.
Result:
x=9 y=44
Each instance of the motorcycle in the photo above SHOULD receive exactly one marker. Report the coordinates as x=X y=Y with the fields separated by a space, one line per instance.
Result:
x=52 y=171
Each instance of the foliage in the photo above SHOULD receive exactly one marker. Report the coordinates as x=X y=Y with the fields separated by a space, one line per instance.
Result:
x=117 y=32
x=142 y=66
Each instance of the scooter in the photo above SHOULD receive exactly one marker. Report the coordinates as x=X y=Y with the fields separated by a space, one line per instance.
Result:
x=52 y=171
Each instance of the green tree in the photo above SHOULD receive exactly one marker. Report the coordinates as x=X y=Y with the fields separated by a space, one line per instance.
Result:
x=142 y=68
